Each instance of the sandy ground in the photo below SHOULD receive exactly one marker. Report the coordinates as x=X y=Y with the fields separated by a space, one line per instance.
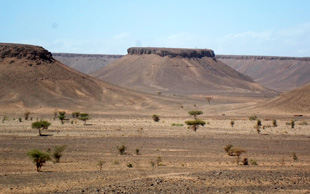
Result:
x=189 y=162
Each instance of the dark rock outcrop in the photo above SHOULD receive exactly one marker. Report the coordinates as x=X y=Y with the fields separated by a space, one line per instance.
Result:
x=21 y=51
x=171 y=52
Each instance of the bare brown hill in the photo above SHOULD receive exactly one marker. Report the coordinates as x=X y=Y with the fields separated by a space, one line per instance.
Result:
x=177 y=71
x=85 y=63
x=31 y=78
x=295 y=101
x=280 y=73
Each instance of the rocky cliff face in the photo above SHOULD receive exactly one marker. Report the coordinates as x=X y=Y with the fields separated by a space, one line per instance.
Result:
x=171 y=52
x=28 y=52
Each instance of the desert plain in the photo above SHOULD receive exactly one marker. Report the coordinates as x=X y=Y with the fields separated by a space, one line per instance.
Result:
x=160 y=157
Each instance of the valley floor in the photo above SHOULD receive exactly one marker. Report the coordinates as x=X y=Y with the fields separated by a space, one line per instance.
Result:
x=171 y=159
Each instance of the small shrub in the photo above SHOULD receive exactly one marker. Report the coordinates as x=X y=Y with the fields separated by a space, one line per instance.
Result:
x=232 y=123
x=122 y=149
x=39 y=157
x=155 y=118
x=20 y=119
x=303 y=123
x=100 y=164
x=227 y=149
x=274 y=123
x=237 y=152
x=152 y=163
x=294 y=156
x=245 y=161
x=84 y=117
x=253 y=162
x=26 y=115
x=292 y=124
x=57 y=154
x=129 y=165
x=5 y=118
x=137 y=151
x=176 y=125
x=158 y=161
x=253 y=118
x=75 y=114
x=259 y=122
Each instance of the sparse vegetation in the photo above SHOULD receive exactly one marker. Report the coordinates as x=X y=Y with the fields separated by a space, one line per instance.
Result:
x=84 y=117
x=274 y=123
x=177 y=125
x=137 y=151
x=40 y=125
x=159 y=161
x=75 y=114
x=209 y=99
x=232 y=123
x=5 y=118
x=129 y=165
x=253 y=118
x=100 y=163
x=227 y=149
x=253 y=162
x=122 y=149
x=20 y=119
x=292 y=124
x=245 y=161
x=195 y=124
x=155 y=118
x=195 y=113
x=258 y=122
x=303 y=123
x=39 y=158
x=62 y=116
x=26 y=115
x=232 y=151
x=294 y=156
x=57 y=154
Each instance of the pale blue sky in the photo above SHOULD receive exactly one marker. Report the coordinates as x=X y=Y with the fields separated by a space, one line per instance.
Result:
x=238 y=27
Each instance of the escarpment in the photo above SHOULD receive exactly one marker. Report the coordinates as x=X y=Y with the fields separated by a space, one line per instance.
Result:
x=171 y=52
x=28 y=52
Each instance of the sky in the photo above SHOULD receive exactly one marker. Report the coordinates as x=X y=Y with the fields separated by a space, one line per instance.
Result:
x=231 y=27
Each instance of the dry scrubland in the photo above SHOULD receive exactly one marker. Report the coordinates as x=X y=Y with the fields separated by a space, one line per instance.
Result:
x=172 y=159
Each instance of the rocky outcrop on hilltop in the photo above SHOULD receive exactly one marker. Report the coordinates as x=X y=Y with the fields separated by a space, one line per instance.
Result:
x=28 y=52
x=171 y=52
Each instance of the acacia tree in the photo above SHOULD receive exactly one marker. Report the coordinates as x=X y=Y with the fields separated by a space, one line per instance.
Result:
x=39 y=157
x=75 y=114
x=62 y=116
x=195 y=113
x=209 y=99
x=195 y=124
x=84 y=117
x=40 y=125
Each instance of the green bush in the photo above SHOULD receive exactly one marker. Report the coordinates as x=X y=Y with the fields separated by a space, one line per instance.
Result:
x=84 y=117
x=232 y=123
x=57 y=154
x=195 y=113
x=39 y=157
x=253 y=117
x=62 y=116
